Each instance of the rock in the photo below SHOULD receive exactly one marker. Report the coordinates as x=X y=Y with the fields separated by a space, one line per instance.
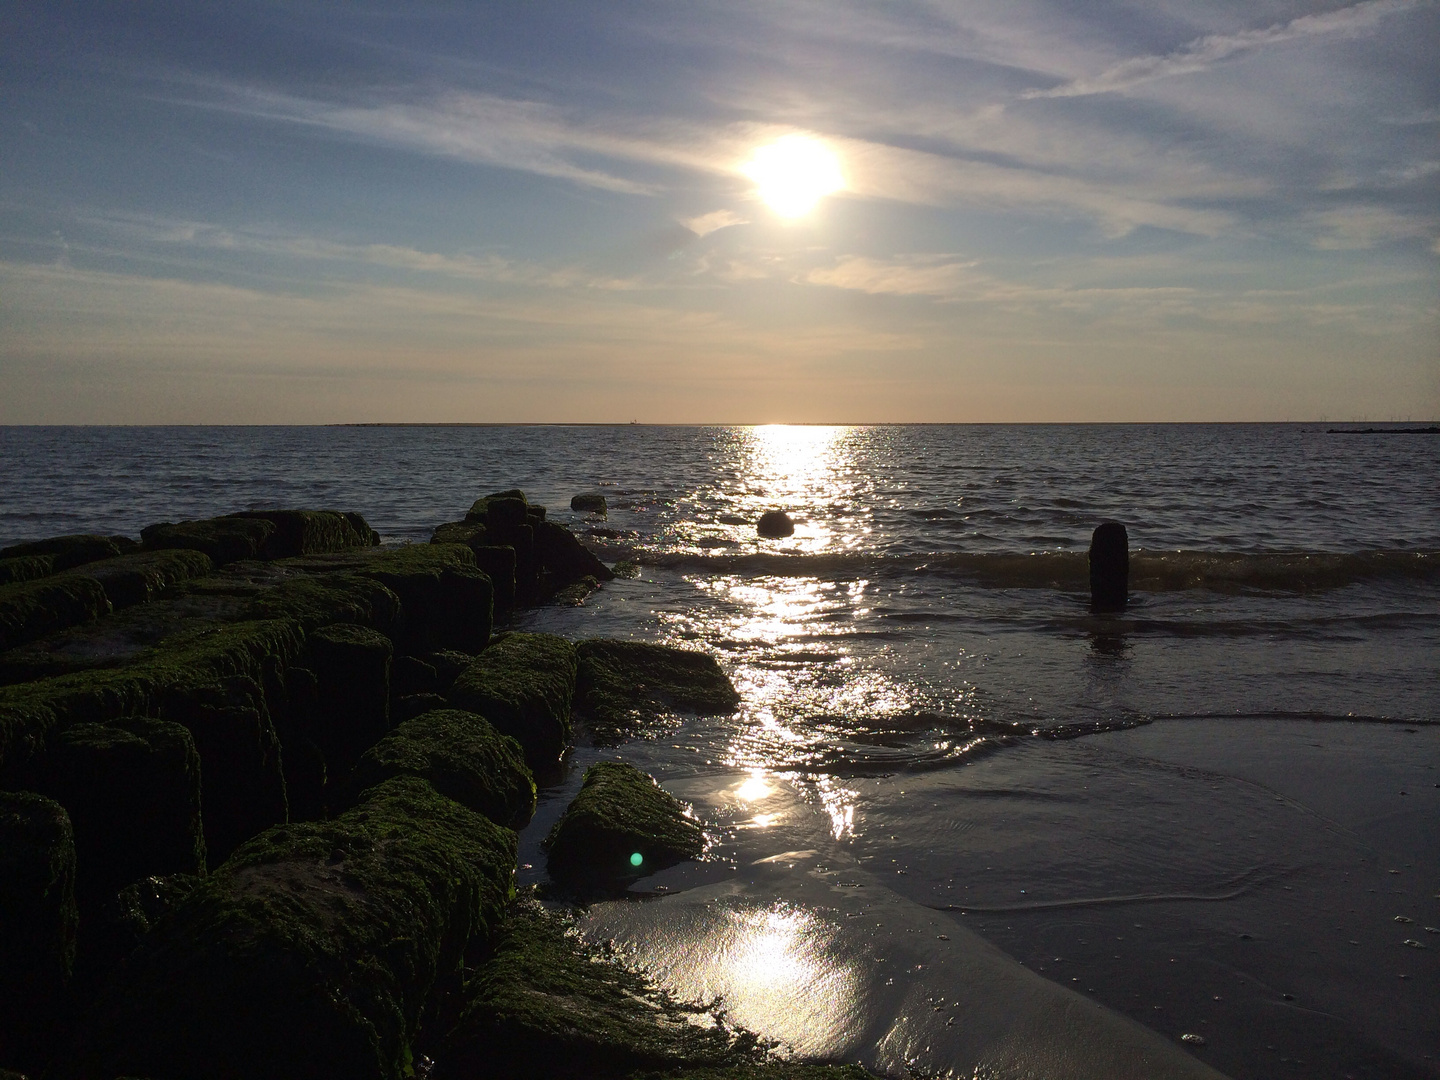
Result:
x=592 y=503
x=546 y=1006
x=411 y=675
x=68 y=551
x=266 y=534
x=140 y=577
x=623 y=685
x=412 y=705
x=314 y=951
x=504 y=512
x=620 y=825
x=463 y=757
x=448 y=665
x=523 y=684
x=26 y=568
x=495 y=560
x=576 y=593
x=32 y=609
x=132 y=790
x=775 y=524
x=352 y=674
x=38 y=924
x=564 y=558
x=137 y=908
x=224 y=539
x=1109 y=567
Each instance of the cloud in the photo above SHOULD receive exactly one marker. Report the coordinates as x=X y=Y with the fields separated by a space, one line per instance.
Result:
x=714 y=221
x=1348 y=228
x=1204 y=52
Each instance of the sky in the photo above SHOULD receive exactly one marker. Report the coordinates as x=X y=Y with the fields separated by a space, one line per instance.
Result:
x=565 y=212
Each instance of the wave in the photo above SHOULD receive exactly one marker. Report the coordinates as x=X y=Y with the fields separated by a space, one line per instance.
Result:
x=1150 y=571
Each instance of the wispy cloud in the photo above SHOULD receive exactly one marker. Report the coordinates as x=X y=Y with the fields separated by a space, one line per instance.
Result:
x=1203 y=53
x=714 y=221
x=1354 y=227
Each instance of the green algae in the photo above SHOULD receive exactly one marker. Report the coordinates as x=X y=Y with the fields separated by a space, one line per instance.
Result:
x=140 y=577
x=625 y=685
x=545 y=1005
x=32 y=609
x=463 y=757
x=75 y=550
x=26 y=568
x=224 y=539
x=311 y=532
x=524 y=685
x=39 y=923
x=317 y=950
x=618 y=813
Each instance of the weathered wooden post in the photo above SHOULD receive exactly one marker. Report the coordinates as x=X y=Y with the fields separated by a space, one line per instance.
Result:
x=1109 y=567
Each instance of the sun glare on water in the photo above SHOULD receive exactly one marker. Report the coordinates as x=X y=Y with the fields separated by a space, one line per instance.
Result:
x=793 y=173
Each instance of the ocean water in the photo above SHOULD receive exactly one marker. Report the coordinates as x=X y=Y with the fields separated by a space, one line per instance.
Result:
x=949 y=785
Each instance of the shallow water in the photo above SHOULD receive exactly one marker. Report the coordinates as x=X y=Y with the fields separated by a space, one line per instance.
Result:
x=1195 y=806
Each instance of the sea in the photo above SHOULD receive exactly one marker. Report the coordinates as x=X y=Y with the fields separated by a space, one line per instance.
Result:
x=960 y=825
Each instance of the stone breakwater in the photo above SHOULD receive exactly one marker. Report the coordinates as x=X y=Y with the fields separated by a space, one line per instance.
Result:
x=259 y=781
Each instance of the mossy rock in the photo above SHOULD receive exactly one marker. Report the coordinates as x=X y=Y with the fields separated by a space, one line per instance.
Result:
x=134 y=912
x=32 y=609
x=564 y=558
x=624 y=685
x=38 y=922
x=218 y=682
x=26 y=568
x=224 y=539
x=463 y=757
x=545 y=1005
x=76 y=550
x=618 y=814
x=312 y=532
x=316 y=950
x=352 y=672
x=589 y=503
x=140 y=577
x=523 y=684
x=480 y=510
x=132 y=790
x=769 y=1070
x=459 y=532
x=496 y=561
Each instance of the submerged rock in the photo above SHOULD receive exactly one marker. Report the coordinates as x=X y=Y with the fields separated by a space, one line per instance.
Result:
x=546 y=1006
x=620 y=824
x=315 y=951
x=463 y=757
x=589 y=503
x=523 y=684
x=775 y=524
x=625 y=684
x=38 y=921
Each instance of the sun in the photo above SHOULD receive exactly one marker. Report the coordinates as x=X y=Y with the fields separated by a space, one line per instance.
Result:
x=793 y=173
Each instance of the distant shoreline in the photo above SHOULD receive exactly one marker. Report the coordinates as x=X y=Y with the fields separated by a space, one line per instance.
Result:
x=1384 y=431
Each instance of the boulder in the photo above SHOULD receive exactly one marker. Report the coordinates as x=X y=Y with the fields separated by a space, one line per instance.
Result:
x=620 y=825
x=265 y=534
x=352 y=674
x=505 y=512
x=315 y=951
x=140 y=577
x=496 y=561
x=623 y=685
x=523 y=684
x=564 y=558
x=410 y=706
x=38 y=922
x=545 y=1005
x=412 y=675
x=1109 y=567
x=590 y=503
x=132 y=790
x=32 y=609
x=463 y=757
x=775 y=524
x=26 y=568
x=224 y=539
x=68 y=551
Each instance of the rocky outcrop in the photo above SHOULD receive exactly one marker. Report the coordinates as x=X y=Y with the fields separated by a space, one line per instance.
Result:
x=624 y=685
x=524 y=684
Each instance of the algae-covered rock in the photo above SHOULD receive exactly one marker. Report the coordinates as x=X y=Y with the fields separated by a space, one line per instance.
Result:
x=32 y=609
x=589 y=503
x=352 y=672
x=38 y=921
x=546 y=1006
x=312 y=532
x=26 y=568
x=773 y=1070
x=624 y=685
x=620 y=824
x=412 y=675
x=217 y=681
x=524 y=685
x=132 y=790
x=463 y=757
x=565 y=558
x=134 y=912
x=496 y=561
x=68 y=551
x=314 y=951
x=139 y=577
x=224 y=539
x=412 y=705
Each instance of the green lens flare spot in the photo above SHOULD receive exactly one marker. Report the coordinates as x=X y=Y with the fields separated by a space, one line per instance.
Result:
x=636 y=859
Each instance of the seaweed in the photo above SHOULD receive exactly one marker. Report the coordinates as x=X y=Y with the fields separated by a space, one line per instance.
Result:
x=523 y=684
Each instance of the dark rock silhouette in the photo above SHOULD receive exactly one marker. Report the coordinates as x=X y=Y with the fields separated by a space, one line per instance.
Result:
x=775 y=524
x=589 y=503
x=1109 y=567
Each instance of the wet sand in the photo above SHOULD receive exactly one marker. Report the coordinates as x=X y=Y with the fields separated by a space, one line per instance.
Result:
x=1239 y=881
